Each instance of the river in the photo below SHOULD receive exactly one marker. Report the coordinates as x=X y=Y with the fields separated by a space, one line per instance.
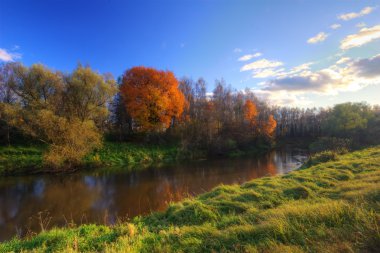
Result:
x=29 y=203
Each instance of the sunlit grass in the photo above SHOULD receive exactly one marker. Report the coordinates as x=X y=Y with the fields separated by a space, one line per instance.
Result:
x=330 y=207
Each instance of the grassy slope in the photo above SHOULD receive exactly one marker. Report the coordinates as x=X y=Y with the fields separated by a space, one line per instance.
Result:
x=329 y=207
x=23 y=159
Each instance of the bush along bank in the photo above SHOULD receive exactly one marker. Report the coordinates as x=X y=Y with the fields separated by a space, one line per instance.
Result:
x=28 y=159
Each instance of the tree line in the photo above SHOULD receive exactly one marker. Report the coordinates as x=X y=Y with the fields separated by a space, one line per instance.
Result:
x=73 y=112
x=359 y=122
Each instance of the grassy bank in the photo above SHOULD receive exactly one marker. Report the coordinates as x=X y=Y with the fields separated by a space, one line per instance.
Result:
x=15 y=160
x=129 y=154
x=331 y=206
x=28 y=159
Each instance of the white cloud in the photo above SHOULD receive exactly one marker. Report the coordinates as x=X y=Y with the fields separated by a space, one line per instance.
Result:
x=343 y=60
x=361 y=25
x=267 y=72
x=248 y=57
x=271 y=70
x=335 y=26
x=364 y=36
x=8 y=56
x=302 y=67
x=282 y=98
x=261 y=64
x=348 y=16
x=317 y=38
x=238 y=50
x=348 y=76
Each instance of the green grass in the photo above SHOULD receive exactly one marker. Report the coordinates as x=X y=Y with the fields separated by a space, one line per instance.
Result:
x=20 y=159
x=331 y=206
x=129 y=154
x=15 y=160
x=28 y=159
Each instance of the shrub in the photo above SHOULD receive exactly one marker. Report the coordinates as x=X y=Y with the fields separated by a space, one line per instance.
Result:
x=322 y=157
x=326 y=156
x=339 y=145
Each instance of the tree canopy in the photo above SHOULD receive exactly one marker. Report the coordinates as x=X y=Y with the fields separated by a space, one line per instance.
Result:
x=64 y=111
x=152 y=98
x=348 y=117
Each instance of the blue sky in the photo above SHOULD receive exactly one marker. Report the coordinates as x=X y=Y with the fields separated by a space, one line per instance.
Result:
x=207 y=39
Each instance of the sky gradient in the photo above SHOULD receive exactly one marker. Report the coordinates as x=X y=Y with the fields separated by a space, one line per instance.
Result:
x=297 y=53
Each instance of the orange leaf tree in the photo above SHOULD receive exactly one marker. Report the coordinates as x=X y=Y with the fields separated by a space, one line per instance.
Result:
x=270 y=127
x=152 y=98
x=250 y=112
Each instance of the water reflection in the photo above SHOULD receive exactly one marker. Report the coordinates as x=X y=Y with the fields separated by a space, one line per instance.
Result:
x=103 y=197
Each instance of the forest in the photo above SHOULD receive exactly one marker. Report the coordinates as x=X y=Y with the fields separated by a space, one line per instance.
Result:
x=71 y=115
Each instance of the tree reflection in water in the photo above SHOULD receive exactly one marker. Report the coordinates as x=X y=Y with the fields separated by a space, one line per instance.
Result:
x=104 y=197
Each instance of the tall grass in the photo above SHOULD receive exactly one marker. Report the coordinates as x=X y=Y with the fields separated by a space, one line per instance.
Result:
x=128 y=154
x=16 y=160
x=332 y=206
x=20 y=159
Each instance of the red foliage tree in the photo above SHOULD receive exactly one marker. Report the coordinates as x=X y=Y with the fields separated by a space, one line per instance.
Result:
x=152 y=98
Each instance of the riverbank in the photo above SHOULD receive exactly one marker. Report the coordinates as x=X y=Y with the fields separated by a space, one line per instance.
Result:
x=328 y=207
x=28 y=159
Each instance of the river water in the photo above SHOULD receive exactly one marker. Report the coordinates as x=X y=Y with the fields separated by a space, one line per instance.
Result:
x=105 y=196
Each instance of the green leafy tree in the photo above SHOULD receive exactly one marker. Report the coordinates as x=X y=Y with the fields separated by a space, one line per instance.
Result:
x=348 y=118
x=88 y=94
x=65 y=112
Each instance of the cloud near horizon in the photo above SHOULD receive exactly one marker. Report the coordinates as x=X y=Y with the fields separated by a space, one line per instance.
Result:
x=282 y=98
x=279 y=72
x=351 y=15
x=267 y=72
x=293 y=87
x=261 y=64
x=346 y=75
